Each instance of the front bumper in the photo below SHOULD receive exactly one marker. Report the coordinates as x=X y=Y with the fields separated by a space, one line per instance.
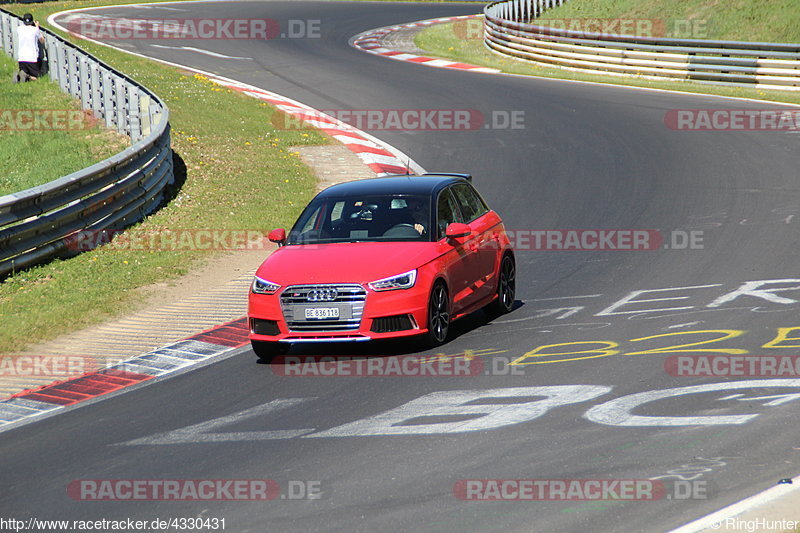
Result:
x=364 y=314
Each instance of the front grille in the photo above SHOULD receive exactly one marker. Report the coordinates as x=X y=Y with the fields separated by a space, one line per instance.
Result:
x=348 y=299
x=388 y=324
x=264 y=327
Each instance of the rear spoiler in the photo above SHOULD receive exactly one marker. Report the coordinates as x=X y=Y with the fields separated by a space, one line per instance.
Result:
x=467 y=177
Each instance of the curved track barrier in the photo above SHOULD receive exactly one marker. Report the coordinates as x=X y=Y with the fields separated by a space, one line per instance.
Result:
x=508 y=31
x=36 y=224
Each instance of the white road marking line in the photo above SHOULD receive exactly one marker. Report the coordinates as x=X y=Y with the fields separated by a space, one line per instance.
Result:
x=484 y=416
x=687 y=324
x=563 y=298
x=199 y=51
x=618 y=412
x=204 y=431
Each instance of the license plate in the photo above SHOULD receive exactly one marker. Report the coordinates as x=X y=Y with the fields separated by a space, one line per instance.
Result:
x=321 y=313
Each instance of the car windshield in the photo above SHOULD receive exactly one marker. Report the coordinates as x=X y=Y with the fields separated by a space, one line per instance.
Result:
x=377 y=218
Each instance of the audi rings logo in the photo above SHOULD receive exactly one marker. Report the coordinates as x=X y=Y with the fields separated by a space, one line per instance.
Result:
x=322 y=295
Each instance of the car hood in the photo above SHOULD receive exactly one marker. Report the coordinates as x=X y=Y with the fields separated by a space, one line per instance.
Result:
x=359 y=262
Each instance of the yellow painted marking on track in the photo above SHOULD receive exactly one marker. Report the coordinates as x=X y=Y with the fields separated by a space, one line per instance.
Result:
x=783 y=335
x=536 y=352
x=726 y=334
x=468 y=355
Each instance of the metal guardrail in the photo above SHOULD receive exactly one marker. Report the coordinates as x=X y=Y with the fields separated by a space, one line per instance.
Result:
x=36 y=224
x=508 y=31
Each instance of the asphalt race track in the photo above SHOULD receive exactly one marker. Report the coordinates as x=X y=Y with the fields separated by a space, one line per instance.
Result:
x=587 y=157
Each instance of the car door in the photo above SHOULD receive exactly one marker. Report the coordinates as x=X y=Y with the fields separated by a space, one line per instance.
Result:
x=482 y=244
x=458 y=258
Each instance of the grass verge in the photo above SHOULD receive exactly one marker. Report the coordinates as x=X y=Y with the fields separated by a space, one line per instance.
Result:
x=448 y=41
x=44 y=134
x=239 y=174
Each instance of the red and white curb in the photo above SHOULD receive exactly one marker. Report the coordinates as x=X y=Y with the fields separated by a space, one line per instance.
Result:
x=198 y=350
x=371 y=41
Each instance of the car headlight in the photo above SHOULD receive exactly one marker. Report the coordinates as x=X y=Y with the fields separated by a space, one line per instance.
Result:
x=401 y=281
x=262 y=286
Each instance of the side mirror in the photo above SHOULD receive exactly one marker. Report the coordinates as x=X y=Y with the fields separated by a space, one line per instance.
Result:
x=277 y=235
x=457 y=230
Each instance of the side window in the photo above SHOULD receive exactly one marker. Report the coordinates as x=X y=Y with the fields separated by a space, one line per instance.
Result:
x=471 y=204
x=446 y=213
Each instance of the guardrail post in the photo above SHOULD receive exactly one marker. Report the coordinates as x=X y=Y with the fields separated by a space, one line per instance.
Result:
x=134 y=122
x=107 y=86
x=63 y=69
x=52 y=57
x=8 y=44
x=72 y=73
x=144 y=113
x=156 y=115
x=96 y=94
x=84 y=83
x=14 y=39
x=121 y=105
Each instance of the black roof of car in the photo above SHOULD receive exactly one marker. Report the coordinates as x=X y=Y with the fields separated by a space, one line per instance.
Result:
x=400 y=184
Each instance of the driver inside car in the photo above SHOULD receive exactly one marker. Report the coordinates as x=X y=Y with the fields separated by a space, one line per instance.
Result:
x=408 y=218
x=418 y=215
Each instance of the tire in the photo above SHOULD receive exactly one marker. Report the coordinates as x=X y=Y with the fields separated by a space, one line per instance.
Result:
x=438 y=316
x=266 y=351
x=506 y=288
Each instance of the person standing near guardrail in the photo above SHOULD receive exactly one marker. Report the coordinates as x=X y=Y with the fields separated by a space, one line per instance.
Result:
x=29 y=36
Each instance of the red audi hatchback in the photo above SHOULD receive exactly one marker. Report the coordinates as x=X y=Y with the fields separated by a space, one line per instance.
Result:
x=382 y=258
